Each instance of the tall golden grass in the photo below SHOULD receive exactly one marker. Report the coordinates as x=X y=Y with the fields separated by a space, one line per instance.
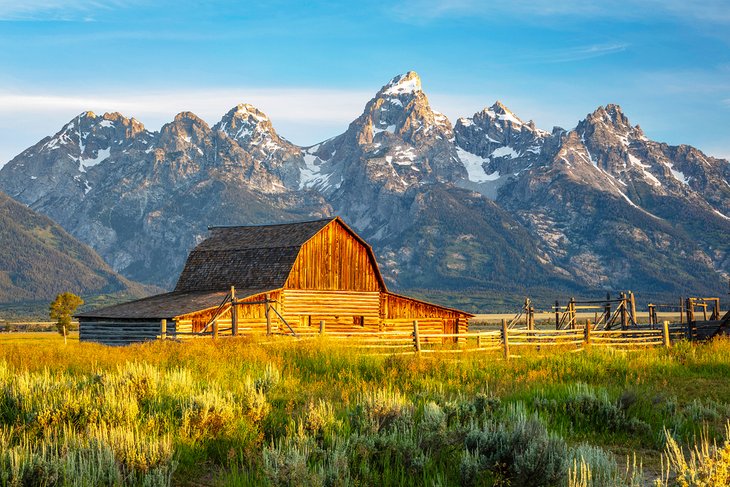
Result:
x=237 y=412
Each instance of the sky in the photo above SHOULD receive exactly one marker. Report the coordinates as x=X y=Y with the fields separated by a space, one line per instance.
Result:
x=312 y=65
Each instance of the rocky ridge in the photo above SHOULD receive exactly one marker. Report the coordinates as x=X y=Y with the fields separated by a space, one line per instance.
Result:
x=492 y=202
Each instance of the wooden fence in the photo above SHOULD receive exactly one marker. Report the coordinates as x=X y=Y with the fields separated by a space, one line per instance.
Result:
x=508 y=341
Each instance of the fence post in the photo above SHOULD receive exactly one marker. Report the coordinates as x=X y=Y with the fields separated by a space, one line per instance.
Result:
x=215 y=329
x=234 y=313
x=665 y=334
x=690 y=308
x=163 y=329
x=624 y=311
x=681 y=310
x=505 y=339
x=479 y=341
x=416 y=336
x=632 y=300
x=571 y=314
x=321 y=327
x=651 y=314
x=557 y=315
x=588 y=332
x=531 y=311
x=268 y=315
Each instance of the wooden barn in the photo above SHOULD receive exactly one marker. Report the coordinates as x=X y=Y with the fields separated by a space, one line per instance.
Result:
x=284 y=278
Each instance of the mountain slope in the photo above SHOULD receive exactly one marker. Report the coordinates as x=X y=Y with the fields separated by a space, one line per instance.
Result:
x=39 y=260
x=490 y=203
x=608 y=207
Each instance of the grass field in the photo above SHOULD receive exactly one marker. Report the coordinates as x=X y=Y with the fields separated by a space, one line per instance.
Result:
x=234 y=412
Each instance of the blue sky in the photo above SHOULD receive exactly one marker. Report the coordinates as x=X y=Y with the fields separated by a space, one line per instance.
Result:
x=311 y=66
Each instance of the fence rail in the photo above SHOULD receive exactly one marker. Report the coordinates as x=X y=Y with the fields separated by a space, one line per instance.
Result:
x=402 y=342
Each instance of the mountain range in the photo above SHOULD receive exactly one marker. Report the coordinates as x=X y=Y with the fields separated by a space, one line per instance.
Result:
x=490 y=203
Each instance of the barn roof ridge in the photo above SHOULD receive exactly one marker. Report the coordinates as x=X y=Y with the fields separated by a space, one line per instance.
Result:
x=260 y=225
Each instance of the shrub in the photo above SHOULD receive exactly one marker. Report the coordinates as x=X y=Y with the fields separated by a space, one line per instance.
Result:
x=382 y=410
x=520 y=453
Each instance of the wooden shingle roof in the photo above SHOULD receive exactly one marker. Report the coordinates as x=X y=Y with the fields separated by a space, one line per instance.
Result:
x=251 y=257
x=161 y=306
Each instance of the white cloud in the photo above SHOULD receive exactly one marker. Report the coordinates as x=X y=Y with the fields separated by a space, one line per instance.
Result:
x=578 y=53
x=303 y=115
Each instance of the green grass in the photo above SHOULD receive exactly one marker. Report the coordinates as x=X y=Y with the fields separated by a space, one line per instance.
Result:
x=234 y=412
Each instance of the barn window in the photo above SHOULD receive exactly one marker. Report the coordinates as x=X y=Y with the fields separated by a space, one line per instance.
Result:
x=358 y=320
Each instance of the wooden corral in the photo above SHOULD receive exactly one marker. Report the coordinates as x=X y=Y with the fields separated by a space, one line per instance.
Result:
x=285 y=278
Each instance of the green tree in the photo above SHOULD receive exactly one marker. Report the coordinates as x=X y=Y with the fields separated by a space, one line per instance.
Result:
x=62 y=308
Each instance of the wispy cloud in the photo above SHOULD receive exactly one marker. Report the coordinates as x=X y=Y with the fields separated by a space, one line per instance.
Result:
x=303 y=115
x=55 y=10
x=572 y=54
x=284 y=103
x=713 y=11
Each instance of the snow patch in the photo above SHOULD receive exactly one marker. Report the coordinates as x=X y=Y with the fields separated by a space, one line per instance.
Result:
x=389 y=128
x=504 y=152
x=678 y=175
x=722 y=215
x=506 y=117
x=101 y=155
x=474 y=166
x=647 y=175
x=311 y=175
x=402 y=85
x=106 y=123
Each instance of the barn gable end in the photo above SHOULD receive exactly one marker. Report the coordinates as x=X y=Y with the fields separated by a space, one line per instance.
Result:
x=335 y=259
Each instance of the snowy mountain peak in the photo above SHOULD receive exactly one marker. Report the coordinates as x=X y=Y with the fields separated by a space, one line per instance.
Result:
x=189 y=117
x=407 y=83
x=610 y=115
x=501 y=112
x=250 y=111
x=246 y=124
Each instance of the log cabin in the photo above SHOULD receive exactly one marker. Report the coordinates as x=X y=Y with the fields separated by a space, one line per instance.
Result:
x=283 y=278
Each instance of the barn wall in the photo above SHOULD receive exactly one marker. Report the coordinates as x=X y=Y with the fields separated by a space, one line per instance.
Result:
x=399 y=313
x=341 y=310
x=334 y=260
x=120 y=331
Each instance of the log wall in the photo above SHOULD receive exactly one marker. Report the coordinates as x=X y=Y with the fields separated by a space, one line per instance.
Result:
x=121 y=332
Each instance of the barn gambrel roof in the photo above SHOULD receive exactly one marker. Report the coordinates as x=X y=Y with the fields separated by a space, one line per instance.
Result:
x=246 y=257
x=254 y=259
